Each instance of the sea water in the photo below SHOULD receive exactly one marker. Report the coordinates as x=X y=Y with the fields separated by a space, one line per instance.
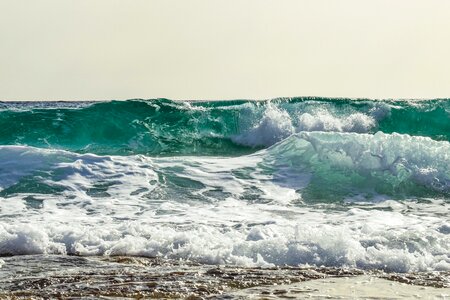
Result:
x=289 y=182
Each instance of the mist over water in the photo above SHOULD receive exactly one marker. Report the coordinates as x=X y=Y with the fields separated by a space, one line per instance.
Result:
x=332 y=182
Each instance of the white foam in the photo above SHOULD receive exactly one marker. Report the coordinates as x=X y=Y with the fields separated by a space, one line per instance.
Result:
x=323 y=120
x=276 y=124
x=19 y=161
x=234 y=232
x=396 y=159
x=239 y=210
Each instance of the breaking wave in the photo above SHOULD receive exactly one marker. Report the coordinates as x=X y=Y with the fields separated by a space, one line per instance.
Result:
x=332 y=182
x=164 y=127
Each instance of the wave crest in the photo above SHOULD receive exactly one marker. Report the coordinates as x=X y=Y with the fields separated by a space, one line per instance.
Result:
x=350 y=165
x=164 y=127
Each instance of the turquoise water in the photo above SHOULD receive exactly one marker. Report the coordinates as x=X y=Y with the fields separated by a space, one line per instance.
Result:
x=317 y=181
x=164 y=127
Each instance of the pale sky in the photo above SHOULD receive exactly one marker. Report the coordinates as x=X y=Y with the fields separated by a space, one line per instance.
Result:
x=210 y=49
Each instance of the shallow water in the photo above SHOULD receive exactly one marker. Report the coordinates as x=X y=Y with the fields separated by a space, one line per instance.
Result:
x=54 y=276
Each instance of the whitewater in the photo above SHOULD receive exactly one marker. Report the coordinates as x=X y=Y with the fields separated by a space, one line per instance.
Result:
x=344 y=183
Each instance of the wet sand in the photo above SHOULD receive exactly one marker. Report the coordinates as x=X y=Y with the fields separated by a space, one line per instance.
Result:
x=68 y=277
x=355 y=287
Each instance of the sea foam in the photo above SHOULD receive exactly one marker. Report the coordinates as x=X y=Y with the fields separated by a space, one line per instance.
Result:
x=288 y=204
x=237 y=233
x=304 y=181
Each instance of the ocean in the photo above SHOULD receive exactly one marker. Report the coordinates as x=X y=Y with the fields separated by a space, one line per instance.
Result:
x=288 y=185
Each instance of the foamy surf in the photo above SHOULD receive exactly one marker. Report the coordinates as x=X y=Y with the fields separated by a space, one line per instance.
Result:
x=298 y=183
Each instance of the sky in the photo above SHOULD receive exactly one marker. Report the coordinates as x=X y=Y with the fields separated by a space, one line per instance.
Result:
x=223 y=49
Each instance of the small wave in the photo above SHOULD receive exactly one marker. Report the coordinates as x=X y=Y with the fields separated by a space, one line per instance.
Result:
x=346 y=165
x=308 y=166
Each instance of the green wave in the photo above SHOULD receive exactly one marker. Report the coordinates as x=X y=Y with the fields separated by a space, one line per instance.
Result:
x=165 y=127
x=363 y=166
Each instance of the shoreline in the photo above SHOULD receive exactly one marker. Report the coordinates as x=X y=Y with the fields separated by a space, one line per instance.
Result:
x=55 y=276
